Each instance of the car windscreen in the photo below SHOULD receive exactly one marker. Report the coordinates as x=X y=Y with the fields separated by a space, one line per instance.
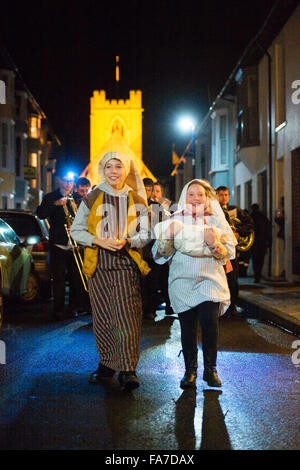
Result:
x=8 y=234
x=24 y=225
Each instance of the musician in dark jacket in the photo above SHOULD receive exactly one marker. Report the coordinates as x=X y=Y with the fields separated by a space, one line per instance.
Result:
x=243 y=229
x=62 y=260
x=262 y=240
x=157 y=279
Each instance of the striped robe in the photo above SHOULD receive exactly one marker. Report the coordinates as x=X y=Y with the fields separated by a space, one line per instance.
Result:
x=115 y=295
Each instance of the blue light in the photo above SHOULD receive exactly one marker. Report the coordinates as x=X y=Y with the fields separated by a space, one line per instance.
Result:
x=70 y=175
x=33 y=240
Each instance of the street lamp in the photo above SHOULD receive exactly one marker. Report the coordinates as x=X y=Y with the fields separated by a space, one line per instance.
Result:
x=187 y=124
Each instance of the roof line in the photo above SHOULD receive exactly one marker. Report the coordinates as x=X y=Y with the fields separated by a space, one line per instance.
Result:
x=31 y=98
x=232 y=74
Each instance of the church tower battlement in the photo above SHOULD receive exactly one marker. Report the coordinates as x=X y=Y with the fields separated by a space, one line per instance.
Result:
x=108 y=116
x=115 y=125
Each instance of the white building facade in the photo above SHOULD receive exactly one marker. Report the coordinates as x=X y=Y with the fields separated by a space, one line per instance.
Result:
x=249 y=140
x=268 y=171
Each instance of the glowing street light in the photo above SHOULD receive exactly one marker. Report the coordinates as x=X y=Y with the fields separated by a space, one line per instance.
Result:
x=186 y=124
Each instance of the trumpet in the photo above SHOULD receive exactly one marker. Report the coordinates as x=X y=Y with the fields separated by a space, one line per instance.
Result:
x=244 y=243
x=75 y=248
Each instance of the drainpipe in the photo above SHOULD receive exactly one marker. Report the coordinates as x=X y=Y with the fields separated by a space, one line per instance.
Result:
x=270 y=149
x=270 y=155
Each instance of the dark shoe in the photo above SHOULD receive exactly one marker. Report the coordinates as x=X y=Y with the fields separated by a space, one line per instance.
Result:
x=225 y=316
x=211 y=377
x=188 y=380
x=128 y=381
x=190 y=360
x=102 y=372
x=238 y=313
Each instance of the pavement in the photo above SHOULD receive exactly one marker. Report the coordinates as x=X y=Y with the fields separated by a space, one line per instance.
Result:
x=272 y=300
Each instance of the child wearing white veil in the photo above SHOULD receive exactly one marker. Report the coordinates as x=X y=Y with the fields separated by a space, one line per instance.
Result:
x=197 y=242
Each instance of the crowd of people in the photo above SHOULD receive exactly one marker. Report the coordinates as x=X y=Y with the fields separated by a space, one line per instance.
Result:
x=138 y=251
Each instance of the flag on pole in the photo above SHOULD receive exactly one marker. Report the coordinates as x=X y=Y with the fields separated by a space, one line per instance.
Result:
x=175 y=158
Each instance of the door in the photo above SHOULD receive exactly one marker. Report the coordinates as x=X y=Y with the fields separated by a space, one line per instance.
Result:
x=296 y=212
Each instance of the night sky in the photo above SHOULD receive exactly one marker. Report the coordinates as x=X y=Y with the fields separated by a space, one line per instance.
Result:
x=178 y=53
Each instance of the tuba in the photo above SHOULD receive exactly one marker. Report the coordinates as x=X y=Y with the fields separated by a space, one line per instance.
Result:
x=75 y=248
x=244 y=243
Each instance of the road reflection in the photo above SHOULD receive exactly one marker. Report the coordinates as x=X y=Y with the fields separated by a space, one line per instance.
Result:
x=214 y=434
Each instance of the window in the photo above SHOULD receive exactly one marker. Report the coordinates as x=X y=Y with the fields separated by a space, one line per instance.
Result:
x=18 y=105
x=18 y=155
x=33 y=159
x=8 y=233
x=4 y=145
x=23 y=224
x=4 y=202
x=34 y=127
x=220 y=141
x=2 y=92
x=118 y=127
x=223 y=139
x=247 y=108
x=248 y=194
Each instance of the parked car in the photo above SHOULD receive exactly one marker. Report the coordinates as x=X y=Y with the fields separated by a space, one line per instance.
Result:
x=17 y=275
x=34 y=233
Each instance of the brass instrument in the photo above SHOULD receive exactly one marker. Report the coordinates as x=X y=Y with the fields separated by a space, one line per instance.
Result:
x=73 y=243
x=244 y=243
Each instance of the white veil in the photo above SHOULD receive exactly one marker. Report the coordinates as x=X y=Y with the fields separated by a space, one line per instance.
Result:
x=214 y=204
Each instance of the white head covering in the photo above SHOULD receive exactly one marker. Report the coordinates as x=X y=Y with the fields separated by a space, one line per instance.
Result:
x=214 y=203
x=190 y=239
x=133 y=178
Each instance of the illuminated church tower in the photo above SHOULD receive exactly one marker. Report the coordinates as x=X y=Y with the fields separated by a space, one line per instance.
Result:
x=116 y=125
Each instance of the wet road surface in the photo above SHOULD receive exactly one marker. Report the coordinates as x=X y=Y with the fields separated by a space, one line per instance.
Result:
x=47 y=402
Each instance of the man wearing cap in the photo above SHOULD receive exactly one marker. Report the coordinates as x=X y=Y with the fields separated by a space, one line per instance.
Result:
x=61 y=256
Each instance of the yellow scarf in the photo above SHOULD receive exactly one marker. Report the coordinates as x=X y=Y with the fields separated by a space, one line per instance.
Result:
x=94 y=218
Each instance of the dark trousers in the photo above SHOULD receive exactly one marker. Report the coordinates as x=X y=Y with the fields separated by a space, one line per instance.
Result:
x=149 y=288
x=63 y=267
x=207 y=314
x=163 y=282
x=233 y=285
x=258 y=258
